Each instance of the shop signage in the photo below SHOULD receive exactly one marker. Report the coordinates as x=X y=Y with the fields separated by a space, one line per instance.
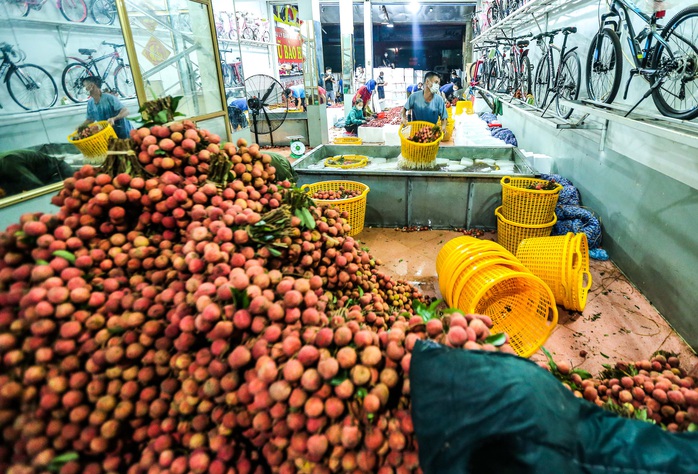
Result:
x=288 y=44
x=155 y=52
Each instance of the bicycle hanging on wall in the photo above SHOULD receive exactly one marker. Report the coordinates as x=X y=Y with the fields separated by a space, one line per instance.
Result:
x=665 y=56
x=74 y=73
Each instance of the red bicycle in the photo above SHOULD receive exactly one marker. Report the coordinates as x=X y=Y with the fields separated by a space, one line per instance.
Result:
x=72 y=10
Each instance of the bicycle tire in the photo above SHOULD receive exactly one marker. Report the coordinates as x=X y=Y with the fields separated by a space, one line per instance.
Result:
x=227 y=72
x=568 y=83
x=73 y=10
x=598 y=69
x=493 y=73
x=71 y=79
x=492 y=15
x=265 y=37
x=505 y=72
x=22 y=8
x=38 y=76
x=123 y=82
x=247 y=33
x=471 y=72
x=659 y=100
x=525 y=74
x=103 y=12
x=512 y=77
x=542 y=78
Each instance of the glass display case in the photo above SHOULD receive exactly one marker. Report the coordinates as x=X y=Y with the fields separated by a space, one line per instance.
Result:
x=176 y=54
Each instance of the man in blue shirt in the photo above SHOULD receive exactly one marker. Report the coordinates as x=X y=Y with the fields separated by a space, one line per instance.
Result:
x=426 y=105
x=413 y=88
x=236 y=113
x=298 y=94
x=449 y=90
x=107 y=107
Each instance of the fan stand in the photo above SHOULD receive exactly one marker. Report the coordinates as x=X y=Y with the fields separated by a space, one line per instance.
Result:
x=255 y=106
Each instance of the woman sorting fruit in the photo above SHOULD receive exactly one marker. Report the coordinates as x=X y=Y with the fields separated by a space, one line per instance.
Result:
x=364 y=93
x=426 y=105
x=355 y=117
x=107 y=107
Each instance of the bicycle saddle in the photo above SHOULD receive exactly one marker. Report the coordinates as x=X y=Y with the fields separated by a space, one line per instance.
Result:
x=569 y=29
x=86 y=51
x=522 y=43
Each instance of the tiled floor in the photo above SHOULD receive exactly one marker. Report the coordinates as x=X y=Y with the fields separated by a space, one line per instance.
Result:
x=618 y=323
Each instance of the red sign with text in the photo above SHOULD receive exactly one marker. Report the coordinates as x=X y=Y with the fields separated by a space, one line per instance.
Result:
x=288 y=44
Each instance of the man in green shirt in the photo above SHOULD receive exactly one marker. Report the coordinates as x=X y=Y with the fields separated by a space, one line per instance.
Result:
x=355 y=117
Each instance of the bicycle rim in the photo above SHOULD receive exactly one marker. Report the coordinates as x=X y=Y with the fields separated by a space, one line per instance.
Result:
x=123 y=80
x=541 y=82
x=247 y=34
x=525 y=77
x=73 y=10
x=604 y=67
x=103 y=12
x=17 y=8
x=72 y=82
x=568 y=83
x=32 y=87
x=678 y=95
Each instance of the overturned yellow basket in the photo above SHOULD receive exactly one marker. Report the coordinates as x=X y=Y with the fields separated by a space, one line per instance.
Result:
x=346 y=162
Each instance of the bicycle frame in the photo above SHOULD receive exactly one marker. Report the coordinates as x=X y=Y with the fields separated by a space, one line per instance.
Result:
x=619 y=18
x=91 y=63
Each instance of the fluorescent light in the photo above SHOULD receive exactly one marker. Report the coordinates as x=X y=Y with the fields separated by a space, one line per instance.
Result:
x=390 y=25
x=414 y=6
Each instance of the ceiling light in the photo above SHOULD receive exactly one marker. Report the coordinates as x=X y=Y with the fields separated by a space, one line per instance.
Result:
x=414 y=6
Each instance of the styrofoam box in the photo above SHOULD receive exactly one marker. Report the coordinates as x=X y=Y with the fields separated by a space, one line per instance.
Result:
x=371 y=134
x=391 y=135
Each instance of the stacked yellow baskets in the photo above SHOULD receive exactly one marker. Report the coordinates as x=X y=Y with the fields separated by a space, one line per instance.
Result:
x=562 y=262
x=480 y=276
x=525 y=212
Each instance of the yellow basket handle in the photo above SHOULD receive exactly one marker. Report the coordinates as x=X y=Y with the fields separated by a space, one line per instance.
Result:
x=506 y=180
x=305 y=188
x=588 y=278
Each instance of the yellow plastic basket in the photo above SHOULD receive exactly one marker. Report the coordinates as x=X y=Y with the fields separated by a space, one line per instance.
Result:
x=578 y=276
x=419 y=153
x=548 y=258
x=510 y=234
x=347 y=141
x=562 y=262
x=346 y=162
x=448 y=133
x=466 y=272
x=462 y=105
x=452 y=245
x=355 y=207
x=528 y=206
x=95 y=147
x=461 y=261
x=519 y=303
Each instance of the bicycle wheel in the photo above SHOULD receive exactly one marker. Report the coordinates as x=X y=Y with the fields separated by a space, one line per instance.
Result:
x=103 y=12
x=73 y=10
x=525 y=77
x=541 y=83
x=492 y=74
x=604 y=66
x=568 y=83
x=505 y=76
x=677 y=96
x=72 y=77
x=472 y=72
x=265 y=37
x=492 y=15
x=18 y=7
x=123 y=81
x=227 y=74
x=247 y=33
x=32 y=87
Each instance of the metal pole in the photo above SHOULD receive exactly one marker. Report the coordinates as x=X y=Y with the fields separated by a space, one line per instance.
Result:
x=346 y=29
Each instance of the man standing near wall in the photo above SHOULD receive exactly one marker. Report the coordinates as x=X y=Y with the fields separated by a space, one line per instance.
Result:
x=329 y=86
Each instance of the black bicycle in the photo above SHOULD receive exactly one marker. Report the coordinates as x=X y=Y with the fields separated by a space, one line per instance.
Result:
x=103 y=11
x=665 y=56
x=561 y=82
x=74 y=73
x=29 y=85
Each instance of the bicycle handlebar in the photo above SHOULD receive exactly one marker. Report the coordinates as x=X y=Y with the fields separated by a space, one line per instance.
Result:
x=113 y=45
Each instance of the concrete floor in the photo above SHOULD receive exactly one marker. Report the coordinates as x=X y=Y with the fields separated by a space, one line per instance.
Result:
x=618 y=323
